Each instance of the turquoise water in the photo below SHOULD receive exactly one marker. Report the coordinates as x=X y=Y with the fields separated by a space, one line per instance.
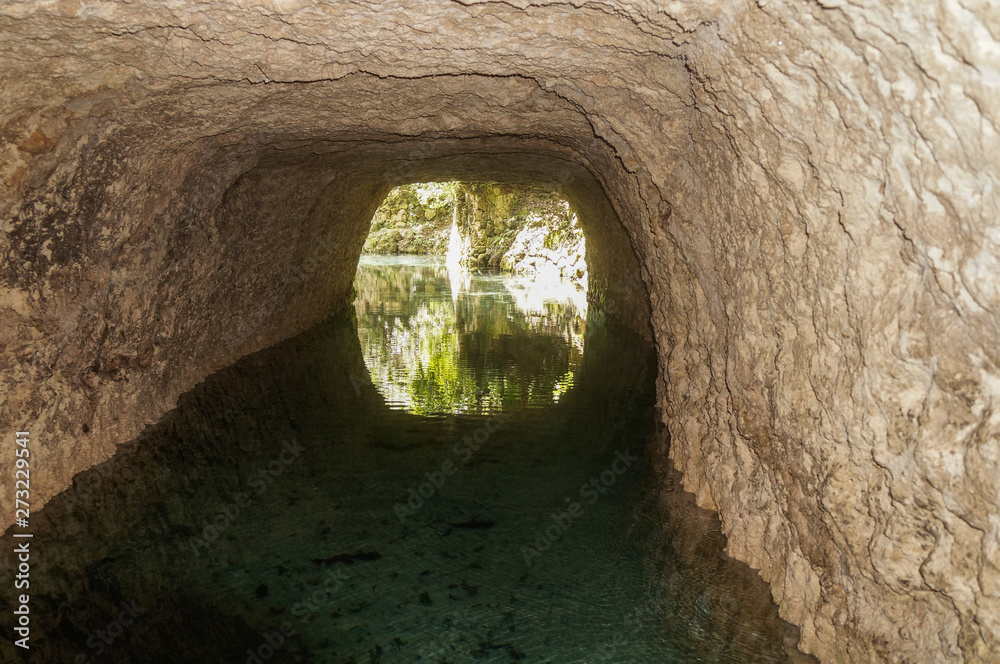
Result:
x=462 y=468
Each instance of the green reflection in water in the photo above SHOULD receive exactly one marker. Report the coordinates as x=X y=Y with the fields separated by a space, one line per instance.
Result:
x=438 y=339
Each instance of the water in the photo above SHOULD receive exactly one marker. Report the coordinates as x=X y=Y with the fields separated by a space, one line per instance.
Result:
x=439 y=340
x=465 y=469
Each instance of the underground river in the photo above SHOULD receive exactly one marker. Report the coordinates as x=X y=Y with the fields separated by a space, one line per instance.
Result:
x=462 y=467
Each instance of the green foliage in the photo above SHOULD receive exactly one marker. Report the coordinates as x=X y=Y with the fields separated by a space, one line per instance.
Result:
x=413 y=219
x=432 y=354
x=512 y=227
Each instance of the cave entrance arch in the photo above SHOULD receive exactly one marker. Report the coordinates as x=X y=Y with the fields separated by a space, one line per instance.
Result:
x=254 y=236
x=419 y=367
x=335 y=189
x=352 y=181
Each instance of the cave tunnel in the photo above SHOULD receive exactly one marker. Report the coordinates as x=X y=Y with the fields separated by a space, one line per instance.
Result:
x=794 y=205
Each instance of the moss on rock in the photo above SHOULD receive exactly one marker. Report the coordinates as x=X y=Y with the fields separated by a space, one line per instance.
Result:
x=514 y=228
x=413 y=219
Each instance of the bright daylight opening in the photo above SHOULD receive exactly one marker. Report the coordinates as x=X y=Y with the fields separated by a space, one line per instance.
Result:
x=472 y=297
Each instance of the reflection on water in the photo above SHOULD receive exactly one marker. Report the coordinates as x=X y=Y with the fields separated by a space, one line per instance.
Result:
x=440 y=339
x=283 y=512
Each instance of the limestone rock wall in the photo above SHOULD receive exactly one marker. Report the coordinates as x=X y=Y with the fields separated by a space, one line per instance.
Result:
x=521 y=229
x=803 y=195
x=413 y=219
x=516 y=228
x=833 y=385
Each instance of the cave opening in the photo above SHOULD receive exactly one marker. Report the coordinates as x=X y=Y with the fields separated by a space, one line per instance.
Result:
x=472 y=297
x=286 y=494
x=303 y=503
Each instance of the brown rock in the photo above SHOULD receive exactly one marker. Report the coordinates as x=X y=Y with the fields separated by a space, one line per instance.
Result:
x=37 y=143
x=800 y=201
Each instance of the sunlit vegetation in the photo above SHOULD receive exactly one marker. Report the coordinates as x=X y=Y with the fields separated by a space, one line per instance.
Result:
x=414 y=219
x=482 y=224
x=459 y=339
x=433 y=346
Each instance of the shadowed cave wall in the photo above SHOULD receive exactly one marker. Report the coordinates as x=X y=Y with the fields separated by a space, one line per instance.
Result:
x=798 y=202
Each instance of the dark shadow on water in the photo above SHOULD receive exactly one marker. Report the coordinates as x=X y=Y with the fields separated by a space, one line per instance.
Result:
x=285 y=512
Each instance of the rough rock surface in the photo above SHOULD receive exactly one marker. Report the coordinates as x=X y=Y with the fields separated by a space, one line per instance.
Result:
x=549 y=243
x=518 y=229
x=413 y=219
x=513 y=227
x=809 y=191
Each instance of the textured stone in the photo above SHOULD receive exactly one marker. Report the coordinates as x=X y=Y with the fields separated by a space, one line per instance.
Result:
x=518 y=229
x=413 y=219
x=809 y=193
